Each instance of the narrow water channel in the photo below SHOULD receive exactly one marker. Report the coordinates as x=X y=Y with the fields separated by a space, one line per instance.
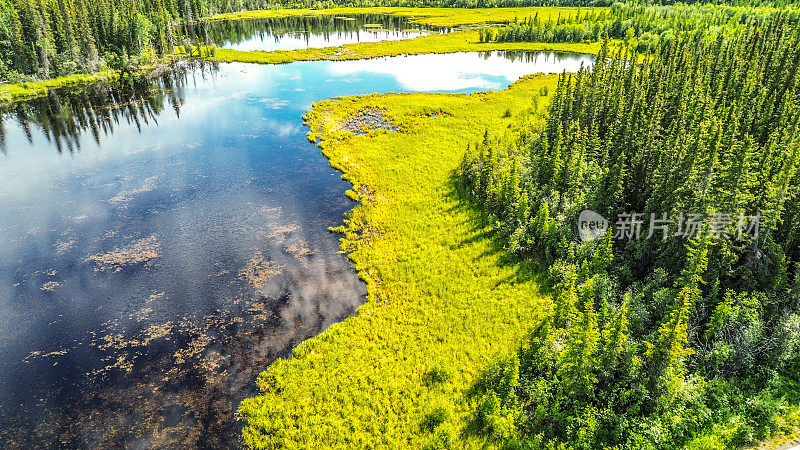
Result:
x=161 y=245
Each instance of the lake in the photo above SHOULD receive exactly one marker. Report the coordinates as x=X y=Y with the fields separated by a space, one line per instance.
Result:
x=293 y=33
x=162 y=244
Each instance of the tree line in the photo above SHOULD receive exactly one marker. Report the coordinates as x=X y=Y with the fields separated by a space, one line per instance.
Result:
x=680 y=338
x=47 y=38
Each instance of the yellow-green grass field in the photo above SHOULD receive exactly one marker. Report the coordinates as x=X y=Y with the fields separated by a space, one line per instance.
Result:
x=439 y=17
x=443 y=298
x=463 y=41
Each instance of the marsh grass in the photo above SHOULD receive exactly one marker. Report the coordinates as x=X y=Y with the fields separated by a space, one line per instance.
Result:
x=139 y=251
x=444 y=299
x=460 y=41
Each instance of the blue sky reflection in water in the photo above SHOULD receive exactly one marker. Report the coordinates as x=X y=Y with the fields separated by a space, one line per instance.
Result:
x=146 y=280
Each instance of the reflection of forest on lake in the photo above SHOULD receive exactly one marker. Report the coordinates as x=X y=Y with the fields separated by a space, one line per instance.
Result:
x=290 y=33
x=63 y=115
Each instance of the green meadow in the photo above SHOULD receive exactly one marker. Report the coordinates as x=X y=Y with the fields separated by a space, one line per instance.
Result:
x=443 y=298
x=26 y=91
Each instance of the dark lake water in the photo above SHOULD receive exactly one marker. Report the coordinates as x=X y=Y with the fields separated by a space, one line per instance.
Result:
x=312 y=32
x=161 y=245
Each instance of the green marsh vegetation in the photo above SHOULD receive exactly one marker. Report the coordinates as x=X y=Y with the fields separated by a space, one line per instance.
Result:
x=442 y=297
x=33 y=89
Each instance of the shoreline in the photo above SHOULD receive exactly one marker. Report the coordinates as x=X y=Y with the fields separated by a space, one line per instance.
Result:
x=443 y=298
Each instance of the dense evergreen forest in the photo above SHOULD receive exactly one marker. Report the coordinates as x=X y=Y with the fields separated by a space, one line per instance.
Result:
x=683 y=318
x=47 y=38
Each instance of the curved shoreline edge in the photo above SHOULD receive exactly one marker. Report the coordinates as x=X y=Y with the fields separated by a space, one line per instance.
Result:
x=443 y=298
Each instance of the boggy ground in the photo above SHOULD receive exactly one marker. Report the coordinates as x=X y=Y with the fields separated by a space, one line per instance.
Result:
x=444 y=299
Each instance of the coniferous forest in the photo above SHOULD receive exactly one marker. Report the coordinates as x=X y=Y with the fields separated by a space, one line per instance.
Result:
x=682 y=318
x=645 y=25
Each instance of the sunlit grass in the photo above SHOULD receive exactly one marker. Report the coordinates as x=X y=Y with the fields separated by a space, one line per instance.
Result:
x=464 y=41
x=443 y=298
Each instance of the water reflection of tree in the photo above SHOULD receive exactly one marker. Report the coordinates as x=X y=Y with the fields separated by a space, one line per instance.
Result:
x=524 y=56
x=238 y=31
x=64 y=115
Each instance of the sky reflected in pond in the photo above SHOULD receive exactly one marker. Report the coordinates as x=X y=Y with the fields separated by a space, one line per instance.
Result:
x=157 y=254
x=462 y=71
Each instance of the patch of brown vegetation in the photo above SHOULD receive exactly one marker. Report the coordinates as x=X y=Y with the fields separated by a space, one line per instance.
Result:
x=299 y=249
x=259 y=270
x=51 y=286
x=140 y=251
x=366 y=120
x=65 y=246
